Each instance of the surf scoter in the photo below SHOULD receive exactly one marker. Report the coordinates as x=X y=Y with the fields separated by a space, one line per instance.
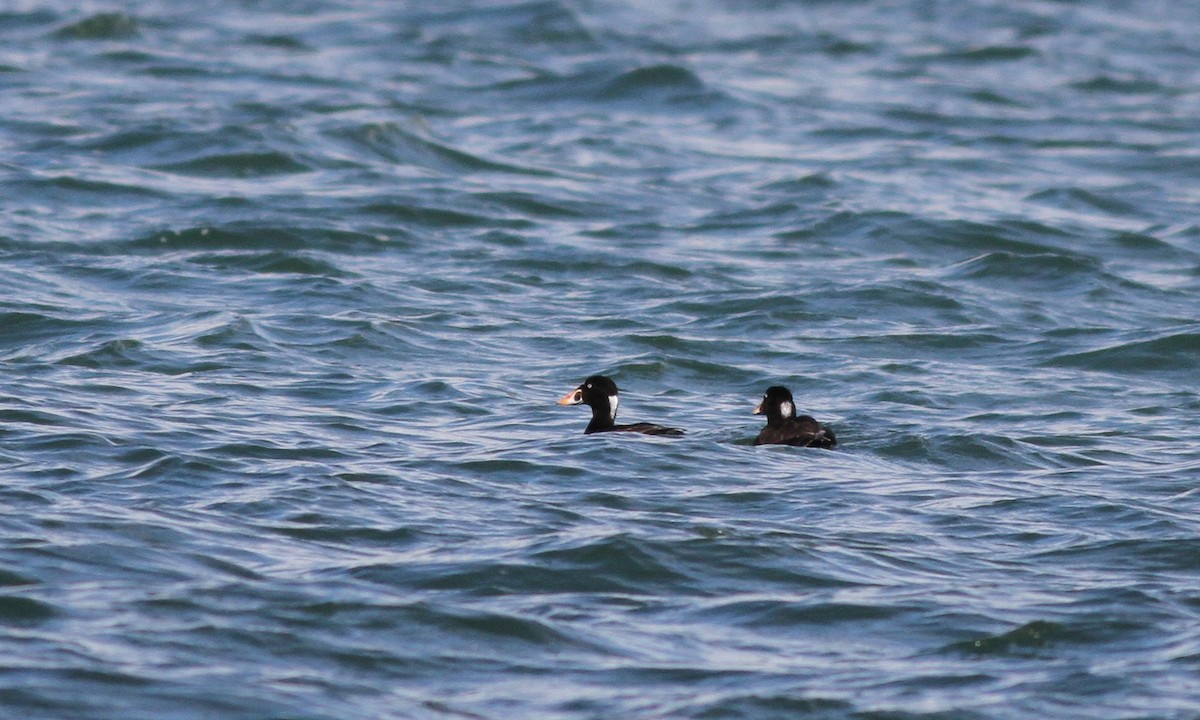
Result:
x=784 y=427
x=600 y=394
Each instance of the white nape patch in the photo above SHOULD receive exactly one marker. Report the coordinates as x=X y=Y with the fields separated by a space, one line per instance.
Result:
x=613 y=401
x=787 y=409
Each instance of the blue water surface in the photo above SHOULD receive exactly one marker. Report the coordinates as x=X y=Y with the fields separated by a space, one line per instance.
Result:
x=288 y=291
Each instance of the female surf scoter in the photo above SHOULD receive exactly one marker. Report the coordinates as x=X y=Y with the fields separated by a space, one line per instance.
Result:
x=600 y=394
x=784 y=428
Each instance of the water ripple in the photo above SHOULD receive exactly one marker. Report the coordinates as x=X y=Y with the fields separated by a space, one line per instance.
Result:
x=289 y=296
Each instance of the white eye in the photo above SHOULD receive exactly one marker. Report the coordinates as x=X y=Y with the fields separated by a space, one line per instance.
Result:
x=589 y=385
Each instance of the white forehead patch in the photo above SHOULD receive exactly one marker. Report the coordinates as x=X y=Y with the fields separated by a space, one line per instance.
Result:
x=787 y=408
x=613 y=400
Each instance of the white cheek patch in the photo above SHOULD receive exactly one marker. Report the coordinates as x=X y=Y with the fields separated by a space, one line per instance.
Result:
x=613 y=400
x=787 y=409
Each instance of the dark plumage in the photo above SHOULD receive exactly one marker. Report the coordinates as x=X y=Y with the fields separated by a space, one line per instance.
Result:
x=600 y=394
x=784 y=427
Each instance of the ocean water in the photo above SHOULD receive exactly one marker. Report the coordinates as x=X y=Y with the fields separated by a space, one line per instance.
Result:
x=288 y=291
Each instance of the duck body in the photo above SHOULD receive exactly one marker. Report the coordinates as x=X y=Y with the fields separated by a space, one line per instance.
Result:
x=600 y=394
x=784 y=427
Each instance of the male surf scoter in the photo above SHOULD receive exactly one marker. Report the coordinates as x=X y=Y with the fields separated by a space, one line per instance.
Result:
x=784 y=428
x=600 y=394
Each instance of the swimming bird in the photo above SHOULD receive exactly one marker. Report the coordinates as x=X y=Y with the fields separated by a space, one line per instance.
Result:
x=600 y=394
x=784 y=427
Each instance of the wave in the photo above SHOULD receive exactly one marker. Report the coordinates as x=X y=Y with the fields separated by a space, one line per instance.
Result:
x=652 y=87
x=100 y=26
x=1171 y=352
x=391 y=142
x=237 y=165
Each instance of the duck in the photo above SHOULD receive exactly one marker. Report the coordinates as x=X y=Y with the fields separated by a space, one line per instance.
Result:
x=783 y=425
x=599 y=393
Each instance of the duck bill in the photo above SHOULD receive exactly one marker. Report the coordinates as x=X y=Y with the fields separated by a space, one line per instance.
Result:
x=757 y=409
x=572 y=398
